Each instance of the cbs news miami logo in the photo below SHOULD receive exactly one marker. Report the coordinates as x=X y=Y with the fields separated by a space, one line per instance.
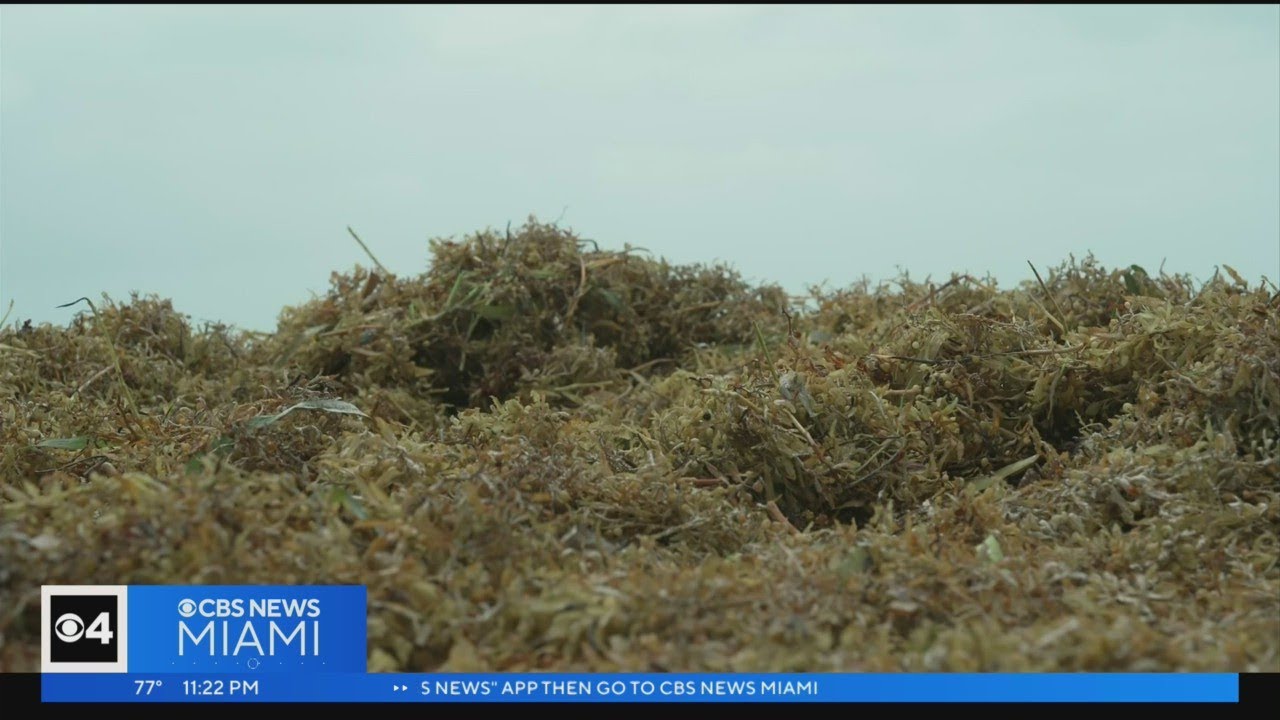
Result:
x=83 y=628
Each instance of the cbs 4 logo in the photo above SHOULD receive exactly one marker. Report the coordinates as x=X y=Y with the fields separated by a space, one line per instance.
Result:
x=70 y=628
x=84 y=626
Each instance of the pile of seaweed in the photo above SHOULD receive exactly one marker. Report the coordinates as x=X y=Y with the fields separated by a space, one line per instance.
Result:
x=539 y=454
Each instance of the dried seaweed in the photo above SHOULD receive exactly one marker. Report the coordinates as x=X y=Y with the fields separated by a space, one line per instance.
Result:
x=539 y=454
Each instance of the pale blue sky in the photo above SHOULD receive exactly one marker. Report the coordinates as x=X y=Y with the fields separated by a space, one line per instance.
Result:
x=215 y=155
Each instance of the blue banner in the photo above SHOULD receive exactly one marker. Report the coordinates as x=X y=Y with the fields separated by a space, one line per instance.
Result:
x=270 y=643
x=647 y=687
x=205 y=629
x=233 y=629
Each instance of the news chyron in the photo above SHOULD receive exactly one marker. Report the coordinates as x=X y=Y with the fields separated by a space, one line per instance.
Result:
x=206 y=629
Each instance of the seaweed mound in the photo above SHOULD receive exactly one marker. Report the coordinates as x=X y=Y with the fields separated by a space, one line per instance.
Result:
x=539 y=454
x=501 y=314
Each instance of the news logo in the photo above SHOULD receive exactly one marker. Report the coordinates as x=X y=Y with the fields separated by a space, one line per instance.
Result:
x=84 y=629
x=203 y=628
x=248 y=628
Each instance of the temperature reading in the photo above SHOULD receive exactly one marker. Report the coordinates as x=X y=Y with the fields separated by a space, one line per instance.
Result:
x=146 y=686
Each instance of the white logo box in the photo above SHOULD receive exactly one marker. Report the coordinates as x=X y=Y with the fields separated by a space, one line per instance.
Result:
x=121 y=665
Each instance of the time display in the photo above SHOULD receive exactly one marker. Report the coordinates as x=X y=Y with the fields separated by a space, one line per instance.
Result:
x=214 y=688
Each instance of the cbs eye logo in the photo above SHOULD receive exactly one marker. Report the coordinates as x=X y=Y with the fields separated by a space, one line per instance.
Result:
x=70 y=627
x=83 y=629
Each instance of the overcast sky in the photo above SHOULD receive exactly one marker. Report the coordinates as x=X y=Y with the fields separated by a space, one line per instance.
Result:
x=215 y=155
